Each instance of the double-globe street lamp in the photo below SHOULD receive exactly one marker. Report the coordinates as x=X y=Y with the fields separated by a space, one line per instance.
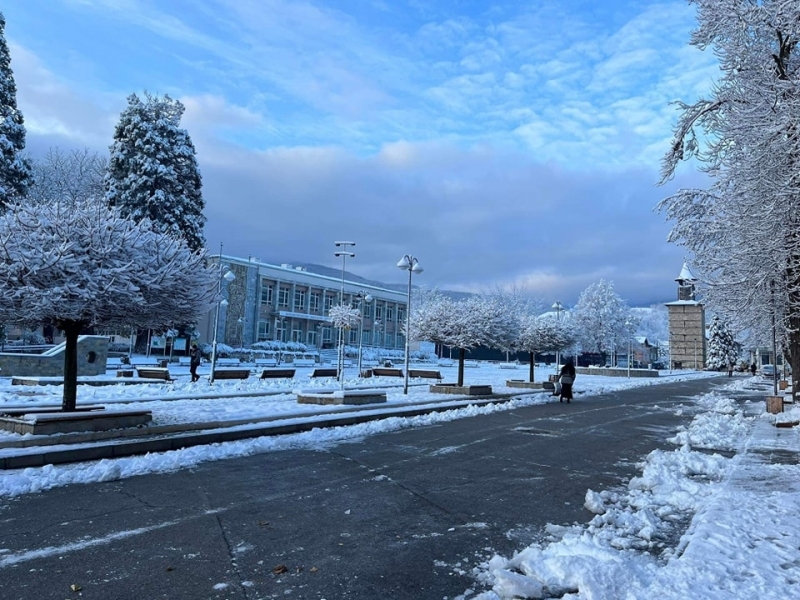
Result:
x=344 y=253
x=228 y=276
x=410 y=264
x=558 y=307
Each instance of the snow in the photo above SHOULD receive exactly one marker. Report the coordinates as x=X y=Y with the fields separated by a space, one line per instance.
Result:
x=742 y=537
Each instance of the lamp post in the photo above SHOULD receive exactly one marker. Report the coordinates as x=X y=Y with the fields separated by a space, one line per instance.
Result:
x=228 y=276
x=362 y=297
x=410 y=264
x=628 y=331
x=344 y=253
x=558 y=308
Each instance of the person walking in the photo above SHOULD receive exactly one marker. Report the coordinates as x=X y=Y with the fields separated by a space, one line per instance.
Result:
x=567 y=378
x=753 y=369
x=194 y=362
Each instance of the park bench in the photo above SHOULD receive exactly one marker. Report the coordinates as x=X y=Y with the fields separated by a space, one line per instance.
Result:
x=153 y=373
x=19 y=411
x=231 y=373
x=323 y=373
x=424 y=373
x=384 y=372
x=278 y=374
x=304 y=362
x=266 y=362
x=228 y=362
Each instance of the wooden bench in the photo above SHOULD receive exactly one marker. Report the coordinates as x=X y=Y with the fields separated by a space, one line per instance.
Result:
x=384 y=372
x=323 y=373
x=19 y=411
x=153 y=373
x=304 y=362
x=125 y=373
x=424 y=373
x=231 y=373
x=266 y=362
x=228 y=362
x=277 y=374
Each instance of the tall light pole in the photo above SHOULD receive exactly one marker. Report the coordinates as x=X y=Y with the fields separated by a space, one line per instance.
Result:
x=628 y=331
x=410 y=264
x=228 y=276
x=362 y=298
x=558 y=308
x=344 y=253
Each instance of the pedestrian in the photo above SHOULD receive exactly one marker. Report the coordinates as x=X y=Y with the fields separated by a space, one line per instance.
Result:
x=194 y=362
x=753 y=369
x=567 y=378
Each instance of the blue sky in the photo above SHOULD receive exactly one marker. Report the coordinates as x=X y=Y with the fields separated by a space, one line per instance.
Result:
x=502 y=143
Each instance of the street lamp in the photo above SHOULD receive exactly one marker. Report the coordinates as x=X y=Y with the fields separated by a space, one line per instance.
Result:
x=410 y=264
x=344 y=253
x=558 y=308
x=628 y=331
x=228 y=276
x=362 y=297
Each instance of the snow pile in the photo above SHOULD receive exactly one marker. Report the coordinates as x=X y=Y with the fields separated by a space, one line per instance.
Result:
x=627 y=550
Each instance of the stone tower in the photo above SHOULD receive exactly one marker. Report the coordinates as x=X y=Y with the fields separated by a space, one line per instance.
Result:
x=687 y=325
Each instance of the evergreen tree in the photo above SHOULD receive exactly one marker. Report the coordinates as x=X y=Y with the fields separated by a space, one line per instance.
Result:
x=15 y=171
x=722 y=347
x=152 y=171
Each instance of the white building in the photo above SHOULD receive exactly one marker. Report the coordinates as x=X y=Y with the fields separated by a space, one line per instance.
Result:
x=286 y=303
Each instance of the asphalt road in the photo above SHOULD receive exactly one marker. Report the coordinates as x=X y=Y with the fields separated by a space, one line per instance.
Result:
x=404 y=515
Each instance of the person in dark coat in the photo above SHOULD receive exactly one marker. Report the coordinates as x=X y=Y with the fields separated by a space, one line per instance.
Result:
x=567 y=378
x=753 y=369
x=194 y=362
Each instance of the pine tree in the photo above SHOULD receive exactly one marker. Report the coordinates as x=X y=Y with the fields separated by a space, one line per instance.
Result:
x=152 y=171
x=722 y=347
x=15 y=171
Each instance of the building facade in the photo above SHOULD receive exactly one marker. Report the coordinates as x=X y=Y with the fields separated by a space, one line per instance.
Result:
x=289 y=304
x=687 y=325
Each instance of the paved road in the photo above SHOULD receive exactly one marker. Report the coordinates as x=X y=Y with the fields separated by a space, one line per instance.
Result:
x=404 y=515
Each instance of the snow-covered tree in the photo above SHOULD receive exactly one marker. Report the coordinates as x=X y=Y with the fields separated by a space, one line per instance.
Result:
x=152 y=171
x=744 y=230
x=723 y=351
x=14 y=168
x=465 y=324
x=72 y=176
x=344 y=316
x=602 y=318
x=79 y=265
x=542 y=333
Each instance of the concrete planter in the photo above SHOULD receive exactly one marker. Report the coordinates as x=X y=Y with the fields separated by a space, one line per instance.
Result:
x=464 y=390
x=70 y=422
x=528 y=385
x=340 y=396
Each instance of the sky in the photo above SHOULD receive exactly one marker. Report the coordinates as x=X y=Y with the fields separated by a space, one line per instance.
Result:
x=504 y=144
x=740 y=543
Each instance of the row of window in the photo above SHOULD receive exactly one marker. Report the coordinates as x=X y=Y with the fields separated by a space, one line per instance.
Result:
x=374 y=311
x=297 y=334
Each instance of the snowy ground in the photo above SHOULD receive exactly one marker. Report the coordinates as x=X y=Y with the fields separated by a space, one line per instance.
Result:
x=742 y=541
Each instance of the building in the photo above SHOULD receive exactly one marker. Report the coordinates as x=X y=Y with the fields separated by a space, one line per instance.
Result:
x=290 y=304
x=687 y=325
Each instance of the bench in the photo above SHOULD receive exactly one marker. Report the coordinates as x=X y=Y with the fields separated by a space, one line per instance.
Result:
x=384 y=372
x=19 y=411
x=323 y=373
x=228 y=362
x=424 y=373
x=125 y=373
x=153 y=373
x=277 y=374
x=266 y=362
x=231 y=373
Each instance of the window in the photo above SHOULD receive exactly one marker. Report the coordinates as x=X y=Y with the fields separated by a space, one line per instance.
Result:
x=389 y=314
x=353 y=336
x=297 y=335
x=283 y=297
x=378 y=312
x=314 y=301
x=299 y=302
x=328 y=303
x=311 y=338
x=263 y=331
x=401 y=313
x=326 y=334
x=266 y=293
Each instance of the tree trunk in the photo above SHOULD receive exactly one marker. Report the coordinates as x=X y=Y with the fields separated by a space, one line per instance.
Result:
x=71 y=331
x=461 y=354
x=533 y=356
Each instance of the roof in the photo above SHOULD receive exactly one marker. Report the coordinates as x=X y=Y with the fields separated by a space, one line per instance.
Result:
x=686 y=274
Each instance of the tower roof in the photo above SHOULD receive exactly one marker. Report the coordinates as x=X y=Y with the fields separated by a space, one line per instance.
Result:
x=686 y=275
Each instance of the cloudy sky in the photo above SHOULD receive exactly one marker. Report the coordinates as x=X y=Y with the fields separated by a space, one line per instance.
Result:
x=508 y=143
